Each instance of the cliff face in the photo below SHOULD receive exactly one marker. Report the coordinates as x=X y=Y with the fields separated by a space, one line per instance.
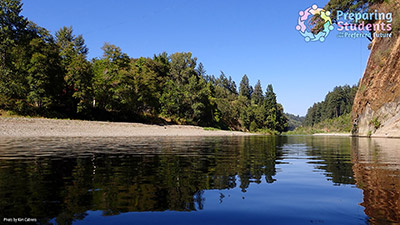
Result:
x=376 y=108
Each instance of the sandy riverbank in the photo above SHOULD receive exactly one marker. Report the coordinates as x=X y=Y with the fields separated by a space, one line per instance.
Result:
x=35 y=127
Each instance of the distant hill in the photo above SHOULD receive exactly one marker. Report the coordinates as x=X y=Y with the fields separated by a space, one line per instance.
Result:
x=294 y=121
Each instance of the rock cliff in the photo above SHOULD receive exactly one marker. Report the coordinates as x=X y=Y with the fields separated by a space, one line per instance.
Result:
x=376 y=108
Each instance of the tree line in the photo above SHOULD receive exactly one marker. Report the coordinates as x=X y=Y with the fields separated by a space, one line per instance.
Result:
x=50 y=75
x=338 y=102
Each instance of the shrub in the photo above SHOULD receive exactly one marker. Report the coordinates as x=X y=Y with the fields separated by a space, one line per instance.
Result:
x=253 y=126
x=375 y=122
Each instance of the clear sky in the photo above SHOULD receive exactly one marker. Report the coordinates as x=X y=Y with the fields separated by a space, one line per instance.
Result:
x=257 y=38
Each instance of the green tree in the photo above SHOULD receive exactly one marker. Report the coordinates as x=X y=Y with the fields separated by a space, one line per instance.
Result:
x=78 y=72
x=245 y=89
x=226 y=101
x=270 y=98
x=337 y=102
x=171 y=99
x=14 y=53
x=198 y=93
x=45 y=77
x=182 y=67
x=161 y=65
x=257 y=95
x=200 y=70
x=146 y=87
x=186 y=95
x=174 y=100
x=29 y=67
x=245 y=111
x=227 y=84
x=275 y=120
x=282 y=120
x=110 y=77
x=260 y=114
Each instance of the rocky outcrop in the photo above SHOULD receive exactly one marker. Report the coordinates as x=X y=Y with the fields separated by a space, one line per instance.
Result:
x=376 y=108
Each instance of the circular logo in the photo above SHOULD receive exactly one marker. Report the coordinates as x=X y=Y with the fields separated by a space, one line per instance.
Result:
x=304 y=25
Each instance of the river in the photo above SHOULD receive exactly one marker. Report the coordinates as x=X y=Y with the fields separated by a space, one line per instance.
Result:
x=200 y=180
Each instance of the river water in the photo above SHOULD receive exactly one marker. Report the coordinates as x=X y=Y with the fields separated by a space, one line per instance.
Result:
x=200 y=180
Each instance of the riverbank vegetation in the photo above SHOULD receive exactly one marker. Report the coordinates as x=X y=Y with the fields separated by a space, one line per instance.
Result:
x=333 y=115
x=46 y=75
x=341 y=124
x=338 y=102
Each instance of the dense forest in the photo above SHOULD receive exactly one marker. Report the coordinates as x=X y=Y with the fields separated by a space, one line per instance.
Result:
x=331 y=115
x=337 y=103
x=42 y=74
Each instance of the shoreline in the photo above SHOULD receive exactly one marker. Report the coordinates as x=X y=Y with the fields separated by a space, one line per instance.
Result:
x=40 y=127
x=333 y=134
x=357 y=136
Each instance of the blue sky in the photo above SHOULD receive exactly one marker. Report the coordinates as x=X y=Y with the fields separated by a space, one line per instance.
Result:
x=257 y=38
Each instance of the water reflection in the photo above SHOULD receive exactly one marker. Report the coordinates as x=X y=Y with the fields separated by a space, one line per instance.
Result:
x=330 y=155
x=315 y=179
x=64 y=178
x=377 y=173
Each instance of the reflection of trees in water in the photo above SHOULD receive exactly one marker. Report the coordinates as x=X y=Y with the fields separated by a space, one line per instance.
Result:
x=375 y=164
x=257 y=159
x=331 y=155
x=171 y=179
x=377 y=173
